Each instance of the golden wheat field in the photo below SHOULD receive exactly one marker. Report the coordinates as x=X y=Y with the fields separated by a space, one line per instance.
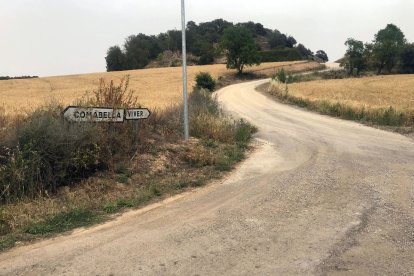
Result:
x=155 y=88
x=371 y=92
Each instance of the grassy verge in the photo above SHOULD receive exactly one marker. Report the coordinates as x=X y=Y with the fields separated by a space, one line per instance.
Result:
x=301 y=67
x=388 y=118
x=56 y=177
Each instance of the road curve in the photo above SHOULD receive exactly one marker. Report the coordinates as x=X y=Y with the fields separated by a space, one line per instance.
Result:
x=318 y=196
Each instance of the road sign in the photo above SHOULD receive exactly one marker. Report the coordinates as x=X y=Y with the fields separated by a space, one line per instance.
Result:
x=93 y=114
x=137 y=113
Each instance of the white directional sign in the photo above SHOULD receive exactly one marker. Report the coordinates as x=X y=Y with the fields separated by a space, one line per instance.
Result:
x=137 y=113
x=93 y=114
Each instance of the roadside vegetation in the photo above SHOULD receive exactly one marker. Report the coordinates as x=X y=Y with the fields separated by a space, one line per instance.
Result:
x=360 y=91
x=56 y=176
x=378 y=100
x=286 y=77
x=389 y=52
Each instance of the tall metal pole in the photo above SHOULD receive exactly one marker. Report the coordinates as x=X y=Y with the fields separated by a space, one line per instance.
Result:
x=185 y=94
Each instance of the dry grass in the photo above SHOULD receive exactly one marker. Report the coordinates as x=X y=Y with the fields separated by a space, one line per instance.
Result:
x=155 y=88
x=93 y=193
x=379 y=92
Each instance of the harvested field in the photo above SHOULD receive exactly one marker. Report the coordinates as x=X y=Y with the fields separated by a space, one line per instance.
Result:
x=155 y=88
x=379 y=92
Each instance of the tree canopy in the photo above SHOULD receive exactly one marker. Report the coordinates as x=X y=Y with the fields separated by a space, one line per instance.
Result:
x=202 y=43
x=240 y=48
x=355 y=58
x=387 y=45
x=407 y=59
x=322 y=55
x=389 y=51
x=115 y=59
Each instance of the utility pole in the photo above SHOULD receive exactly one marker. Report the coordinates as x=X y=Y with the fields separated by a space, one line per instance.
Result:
x=184 y=54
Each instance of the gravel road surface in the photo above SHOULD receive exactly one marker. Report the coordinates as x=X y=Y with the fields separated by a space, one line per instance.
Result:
x=318 y=196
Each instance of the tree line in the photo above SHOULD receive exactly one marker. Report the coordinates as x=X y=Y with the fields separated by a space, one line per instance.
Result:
x=17 y=78
x=389 y=52
x=203 y=41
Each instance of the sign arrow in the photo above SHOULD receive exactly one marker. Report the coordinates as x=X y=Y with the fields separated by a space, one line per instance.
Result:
x=137 y=113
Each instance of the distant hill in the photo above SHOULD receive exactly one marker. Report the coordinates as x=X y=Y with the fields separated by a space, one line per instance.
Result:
x=164 y=50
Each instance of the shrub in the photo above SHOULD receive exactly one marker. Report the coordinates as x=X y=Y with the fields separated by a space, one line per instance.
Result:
x=198 y=156
x=45 y=152
x=280 y=76
x=206 y=81
x=111 y=95
x=244 y=131
x=206 y=119
x=230 y=155
x=278 y=55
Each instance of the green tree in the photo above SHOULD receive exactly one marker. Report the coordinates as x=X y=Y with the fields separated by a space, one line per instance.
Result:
x=140 y=49
x=291 y=42
x=115 y=59
x=354 y=56
x=388 y=44
x=240 y=48
x=321 y=54
x=174 y=40
x=407 y=59
x=277 y=40
x=305 y=52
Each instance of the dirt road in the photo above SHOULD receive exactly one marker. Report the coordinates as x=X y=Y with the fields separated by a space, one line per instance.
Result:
x=318 y=196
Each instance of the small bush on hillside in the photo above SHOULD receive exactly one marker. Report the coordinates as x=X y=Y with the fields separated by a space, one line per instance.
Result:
x=333 y=74
x=206 y=81
x=280 y=76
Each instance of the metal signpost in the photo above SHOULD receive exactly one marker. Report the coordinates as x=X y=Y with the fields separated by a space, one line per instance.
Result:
x=136 y=115
x=185 y=94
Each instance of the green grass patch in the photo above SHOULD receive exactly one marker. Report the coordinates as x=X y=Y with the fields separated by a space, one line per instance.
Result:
x=7 y=242
x=64 y=221
x=122 y=179
x=229 y=156
x=114 y=207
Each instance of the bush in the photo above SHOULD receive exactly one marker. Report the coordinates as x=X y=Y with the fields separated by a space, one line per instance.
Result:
x=243 y=132
x=45 y=152
x=278 y=55
x=280 y=76
x=205 y=80
x=209 y=123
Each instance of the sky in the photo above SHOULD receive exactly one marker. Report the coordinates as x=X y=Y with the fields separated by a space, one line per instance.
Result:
x=61 y=37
